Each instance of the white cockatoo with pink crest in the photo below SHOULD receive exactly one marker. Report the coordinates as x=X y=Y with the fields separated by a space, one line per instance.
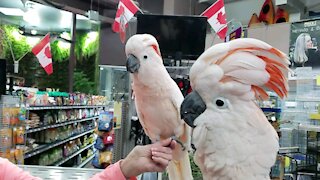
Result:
x=232 y=137
x=158 y=100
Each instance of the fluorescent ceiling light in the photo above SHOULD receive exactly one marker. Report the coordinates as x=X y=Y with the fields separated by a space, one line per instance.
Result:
x=16 y=35
x=63 y=45
x=34 y=32
x=11 y=11
x=65 y=35
x=65 y=19
x=32 y=41
x=82 y=17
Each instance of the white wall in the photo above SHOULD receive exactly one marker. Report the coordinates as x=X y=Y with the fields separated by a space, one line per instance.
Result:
x=243 y=10
x=277 y=35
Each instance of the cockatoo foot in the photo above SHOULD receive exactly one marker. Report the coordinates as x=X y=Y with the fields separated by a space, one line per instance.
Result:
x=179 y=142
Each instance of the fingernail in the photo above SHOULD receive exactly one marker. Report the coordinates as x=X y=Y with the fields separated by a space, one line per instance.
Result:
x=154 y=153
x=153 y=149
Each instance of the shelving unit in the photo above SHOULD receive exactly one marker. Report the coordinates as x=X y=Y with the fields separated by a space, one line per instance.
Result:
x=73 y=155
x=86 y=161
x=89 y=122
x=60 y=124
x=10 y=148
x=43 y=148
x=52 y=172
x=62 y=107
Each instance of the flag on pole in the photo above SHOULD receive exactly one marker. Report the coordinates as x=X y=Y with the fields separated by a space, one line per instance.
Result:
x=216 y=15
x=43 y=53
x=126 y=10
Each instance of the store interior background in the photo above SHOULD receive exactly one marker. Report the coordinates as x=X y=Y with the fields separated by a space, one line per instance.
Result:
x=100 y=61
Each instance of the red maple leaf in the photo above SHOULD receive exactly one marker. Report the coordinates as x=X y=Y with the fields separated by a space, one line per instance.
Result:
x=120 y=11
x=221 y=18
x=47 y=52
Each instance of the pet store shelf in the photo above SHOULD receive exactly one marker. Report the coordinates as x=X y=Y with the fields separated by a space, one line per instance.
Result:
x=62 y=107
x=277 y=110
x=43 y=148
x=54 y=173
x=73 y=155
x=314 y=128
x=86 y=161
x=314 y=99
x=59 y=124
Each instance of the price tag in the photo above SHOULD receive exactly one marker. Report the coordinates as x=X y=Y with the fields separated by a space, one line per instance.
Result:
x=318 y=80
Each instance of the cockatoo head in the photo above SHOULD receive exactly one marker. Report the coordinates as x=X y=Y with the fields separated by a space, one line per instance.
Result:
x=229 y=75
x=142 y=51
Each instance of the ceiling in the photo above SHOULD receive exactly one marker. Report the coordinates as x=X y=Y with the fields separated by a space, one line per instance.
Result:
x=50 y=16
x=55 y=15
x=242 y=10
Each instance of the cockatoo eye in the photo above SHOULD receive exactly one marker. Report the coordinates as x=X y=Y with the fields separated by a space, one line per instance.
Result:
x=145 y=56
x=221 y=103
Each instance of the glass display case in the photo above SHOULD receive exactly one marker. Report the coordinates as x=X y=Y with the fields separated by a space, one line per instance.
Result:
x=115 y=85
x=114 y=82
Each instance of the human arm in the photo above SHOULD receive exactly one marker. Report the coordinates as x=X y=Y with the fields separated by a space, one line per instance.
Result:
x=148 y=158
x=13 y=172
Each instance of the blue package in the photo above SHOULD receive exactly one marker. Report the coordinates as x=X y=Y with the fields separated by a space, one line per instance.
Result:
x=95 y=162
x=105 y=122
x=99 y=144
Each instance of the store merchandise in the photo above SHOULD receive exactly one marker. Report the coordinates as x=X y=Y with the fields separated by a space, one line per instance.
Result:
x=60 y=154
x=44 y=118
x=33 y=120
x=104 y=141
x=6 y=137
x=58 y=134
x=12 y=128
x=105 y=122
x=41 y=98
x=11 y=115
x=48 y=129
x=19 y=135
x=267 y=13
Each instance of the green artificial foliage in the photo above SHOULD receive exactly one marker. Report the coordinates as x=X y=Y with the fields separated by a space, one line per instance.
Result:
x=19 y=44
x=85 y=79
x=82 y=83
x=196 y=173
x=2 y=44
x=82 y=48
x=59 y=54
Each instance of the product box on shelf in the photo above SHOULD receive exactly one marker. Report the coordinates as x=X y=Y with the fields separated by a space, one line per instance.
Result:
x=43 y=98
x=12 y=128
x=105 y=122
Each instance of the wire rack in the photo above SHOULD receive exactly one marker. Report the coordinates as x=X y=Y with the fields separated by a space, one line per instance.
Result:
x=7 y=143
x=59 y=173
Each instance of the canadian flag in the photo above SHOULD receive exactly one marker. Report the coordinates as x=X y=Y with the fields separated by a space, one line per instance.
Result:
x=126 y=10
x=43 y=53
x=216 y=15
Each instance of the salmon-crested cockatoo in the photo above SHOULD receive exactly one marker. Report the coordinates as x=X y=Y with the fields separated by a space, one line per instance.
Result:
x=158 y=100
x=232 y=137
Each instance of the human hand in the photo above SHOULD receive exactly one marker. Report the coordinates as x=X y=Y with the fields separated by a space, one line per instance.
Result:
x=149 y=158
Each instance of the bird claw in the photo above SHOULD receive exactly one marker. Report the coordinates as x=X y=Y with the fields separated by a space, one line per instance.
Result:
x=179 y=142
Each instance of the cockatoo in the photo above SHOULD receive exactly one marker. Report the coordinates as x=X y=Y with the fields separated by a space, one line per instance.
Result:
x=158 y=100
x=231 y=135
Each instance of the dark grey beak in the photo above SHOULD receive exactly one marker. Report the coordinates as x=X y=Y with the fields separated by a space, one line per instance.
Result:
x=133 y=64
x=191 y=107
